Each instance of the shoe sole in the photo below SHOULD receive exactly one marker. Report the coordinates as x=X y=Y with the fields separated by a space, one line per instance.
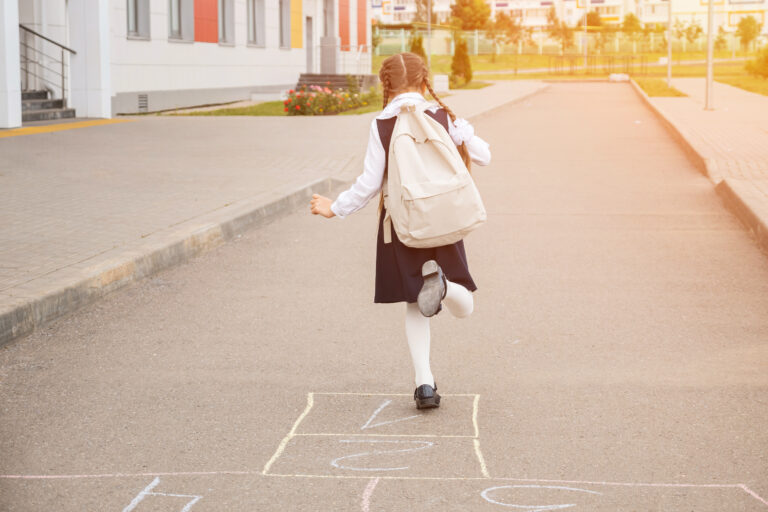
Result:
x=432 y=290
x=428 y=403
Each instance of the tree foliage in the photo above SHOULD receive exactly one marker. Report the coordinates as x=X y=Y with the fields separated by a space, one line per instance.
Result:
x=461 y=67
x=416 y=45
x=422 y=12
x=559 y=30
x=720 y=41
x=632 y=26
x=759 y=66
x=470 y=14
x=593 y=19
x=503 y=29
x=748 y=30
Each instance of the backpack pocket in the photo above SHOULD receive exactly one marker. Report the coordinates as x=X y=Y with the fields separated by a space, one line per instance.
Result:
x=440 y=213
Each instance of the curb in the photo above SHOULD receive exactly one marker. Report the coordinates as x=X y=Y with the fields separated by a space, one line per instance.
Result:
x=677 y=132
x=88 y=282
x=740 y=202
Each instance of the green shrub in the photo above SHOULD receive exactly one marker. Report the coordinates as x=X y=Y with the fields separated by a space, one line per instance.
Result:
x=759 y=66
x=461 y=67
x=417 y=45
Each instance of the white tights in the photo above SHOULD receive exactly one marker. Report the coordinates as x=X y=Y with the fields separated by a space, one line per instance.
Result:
x=458 y=300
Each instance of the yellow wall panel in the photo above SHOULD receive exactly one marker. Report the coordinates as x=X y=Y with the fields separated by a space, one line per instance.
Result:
x=297 y=24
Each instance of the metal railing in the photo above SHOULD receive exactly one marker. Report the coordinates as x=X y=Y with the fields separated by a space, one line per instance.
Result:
x=42 y=63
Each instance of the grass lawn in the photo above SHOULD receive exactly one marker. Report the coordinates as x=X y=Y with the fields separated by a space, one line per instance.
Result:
x=746 y=82
x=475 y=85
x=657 y=87
x=269 y=108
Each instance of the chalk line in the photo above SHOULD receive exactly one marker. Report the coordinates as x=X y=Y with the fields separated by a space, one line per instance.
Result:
x=483 y=467
x=383 y=406
x=383 y=394
x=753 y=494
x=286 y=439
x=139 y=497
x=318 y=434
x=126 y=475
x=366 y=504
x=475 y=404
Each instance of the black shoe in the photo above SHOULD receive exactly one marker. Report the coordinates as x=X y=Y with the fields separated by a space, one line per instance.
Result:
x=426 y=397
x=433 y=290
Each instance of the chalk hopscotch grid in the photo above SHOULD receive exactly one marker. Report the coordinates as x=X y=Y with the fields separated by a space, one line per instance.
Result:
x=311 y=403
x=308 y=408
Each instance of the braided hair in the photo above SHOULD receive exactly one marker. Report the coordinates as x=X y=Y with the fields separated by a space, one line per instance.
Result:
x=409 y=71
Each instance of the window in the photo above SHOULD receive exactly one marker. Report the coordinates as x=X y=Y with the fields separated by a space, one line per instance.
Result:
x=285 y=23
x=174 y=15
x=226 y=21
x=138 y=19
x=256 y=22
x=181 y=20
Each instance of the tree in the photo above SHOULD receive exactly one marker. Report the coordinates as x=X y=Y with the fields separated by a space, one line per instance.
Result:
x=748 y=30
x=461 y=68
x=503 y=29
x=593 y=19
x=422 y=12
x=720 y=42
x=416 y=45
x=559 y=30
x=632 y=26
x=470 y=14
x=759 y=66
x=693 y=31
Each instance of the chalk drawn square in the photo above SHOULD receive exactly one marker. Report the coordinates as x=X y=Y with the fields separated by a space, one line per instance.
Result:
x=355 y=456
x=389 y=415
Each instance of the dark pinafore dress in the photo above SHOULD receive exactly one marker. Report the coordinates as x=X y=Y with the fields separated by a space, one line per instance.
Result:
x=398 y=267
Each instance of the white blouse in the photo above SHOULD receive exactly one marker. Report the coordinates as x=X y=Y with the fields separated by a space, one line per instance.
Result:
x=368 y=184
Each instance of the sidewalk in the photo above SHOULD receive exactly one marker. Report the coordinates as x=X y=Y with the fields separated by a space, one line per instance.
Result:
x=85 y=211
x=730 y=142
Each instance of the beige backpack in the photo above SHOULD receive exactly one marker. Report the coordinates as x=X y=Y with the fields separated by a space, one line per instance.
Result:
x=429 y=194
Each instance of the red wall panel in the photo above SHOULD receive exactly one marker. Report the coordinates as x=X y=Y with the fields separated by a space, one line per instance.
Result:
x=207 y=21
x=362 y=22
x=344 y=24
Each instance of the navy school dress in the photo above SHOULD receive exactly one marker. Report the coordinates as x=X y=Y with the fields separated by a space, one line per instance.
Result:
x=398 y=267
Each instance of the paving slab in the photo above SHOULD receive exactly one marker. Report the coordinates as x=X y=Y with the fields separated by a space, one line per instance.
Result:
x=617 y=352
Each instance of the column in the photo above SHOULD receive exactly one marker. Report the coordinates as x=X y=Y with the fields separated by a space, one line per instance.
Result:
x=10 y=76
x=91 y=89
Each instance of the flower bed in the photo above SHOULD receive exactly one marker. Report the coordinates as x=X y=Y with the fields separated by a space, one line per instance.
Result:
x=319 y=101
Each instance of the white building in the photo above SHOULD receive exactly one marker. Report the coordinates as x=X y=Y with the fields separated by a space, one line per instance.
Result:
x=134 y=55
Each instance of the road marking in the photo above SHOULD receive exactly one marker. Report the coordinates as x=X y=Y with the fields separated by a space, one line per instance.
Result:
x=753 y=494
x=366 y=504
x=33 y=130
x=139 y=497
x=539 y=508
x=424 y=446
x=286 y=439
x=384 y=394
x=449 y=436
x=483 y=468
x=475 y=404
x=383 y=405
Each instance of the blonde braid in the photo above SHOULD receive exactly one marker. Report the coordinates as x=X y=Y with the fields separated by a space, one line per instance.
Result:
x=463 y=151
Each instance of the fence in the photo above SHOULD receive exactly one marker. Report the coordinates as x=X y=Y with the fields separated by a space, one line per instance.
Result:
x=539 y=42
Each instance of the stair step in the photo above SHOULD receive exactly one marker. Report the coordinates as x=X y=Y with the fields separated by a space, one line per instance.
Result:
x=34 y=95
x=41 y=104
x=46 y=114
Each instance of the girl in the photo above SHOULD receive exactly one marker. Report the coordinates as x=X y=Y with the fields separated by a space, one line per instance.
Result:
x=422 y=278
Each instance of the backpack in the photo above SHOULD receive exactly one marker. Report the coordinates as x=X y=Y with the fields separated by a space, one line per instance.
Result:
x=429 y=195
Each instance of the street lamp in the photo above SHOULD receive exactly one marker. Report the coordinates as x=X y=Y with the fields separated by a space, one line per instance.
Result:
x=669 y=43
x=429 y=34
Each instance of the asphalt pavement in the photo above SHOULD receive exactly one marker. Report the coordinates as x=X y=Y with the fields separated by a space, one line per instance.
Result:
x=616 y=359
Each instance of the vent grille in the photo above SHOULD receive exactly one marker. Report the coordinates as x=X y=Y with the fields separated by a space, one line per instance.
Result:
x=143 y=103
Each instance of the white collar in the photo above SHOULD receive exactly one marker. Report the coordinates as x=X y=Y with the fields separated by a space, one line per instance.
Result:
x=393 y=106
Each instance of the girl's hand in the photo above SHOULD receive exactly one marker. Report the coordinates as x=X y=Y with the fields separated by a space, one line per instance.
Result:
x=321 y=205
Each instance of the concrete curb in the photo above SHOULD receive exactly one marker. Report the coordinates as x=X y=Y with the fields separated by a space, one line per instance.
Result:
x=678 y=133
x=83 y=284
x=747 y=207
x=734 y=193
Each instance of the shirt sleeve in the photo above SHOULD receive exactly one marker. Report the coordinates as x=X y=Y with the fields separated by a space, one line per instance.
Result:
x=461 y=131
x=368 y=184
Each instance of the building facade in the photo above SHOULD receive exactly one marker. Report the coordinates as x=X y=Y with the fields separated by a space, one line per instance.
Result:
x=129 y=56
